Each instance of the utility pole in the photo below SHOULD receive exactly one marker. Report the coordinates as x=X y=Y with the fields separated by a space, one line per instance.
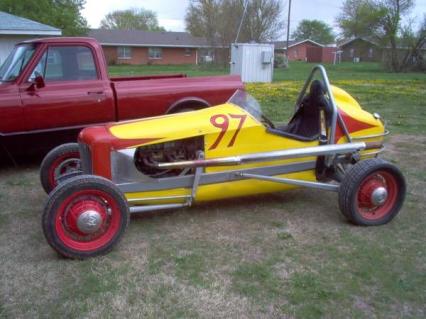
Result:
x=288 y=32
x=241 y=22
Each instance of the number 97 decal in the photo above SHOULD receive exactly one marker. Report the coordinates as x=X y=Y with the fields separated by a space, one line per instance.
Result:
x=222 y=121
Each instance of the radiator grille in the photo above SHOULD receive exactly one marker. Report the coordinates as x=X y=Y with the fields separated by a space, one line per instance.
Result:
x=86 y=158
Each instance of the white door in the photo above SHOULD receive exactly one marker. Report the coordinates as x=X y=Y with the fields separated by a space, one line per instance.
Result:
x=236 y=62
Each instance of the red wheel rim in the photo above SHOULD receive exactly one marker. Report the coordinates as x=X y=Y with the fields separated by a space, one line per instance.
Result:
x=52 y=170
x=74 y=206
x=370 y=210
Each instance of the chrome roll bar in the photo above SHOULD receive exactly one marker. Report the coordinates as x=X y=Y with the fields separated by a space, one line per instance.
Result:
x=336 y=118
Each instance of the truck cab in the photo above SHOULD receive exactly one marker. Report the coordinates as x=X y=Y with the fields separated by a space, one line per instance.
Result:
x=52 y=88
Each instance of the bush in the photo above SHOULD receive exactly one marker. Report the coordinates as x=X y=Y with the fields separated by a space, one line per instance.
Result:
x=406 y=61
x=279 y=61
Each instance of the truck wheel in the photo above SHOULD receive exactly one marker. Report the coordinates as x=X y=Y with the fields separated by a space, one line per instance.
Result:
x=60 y=162
x=184 y=110
x=188 y=106
x=85 y=217
x=372 y=192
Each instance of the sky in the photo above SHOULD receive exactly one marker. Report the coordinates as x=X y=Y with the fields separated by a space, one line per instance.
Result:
x=171 y=13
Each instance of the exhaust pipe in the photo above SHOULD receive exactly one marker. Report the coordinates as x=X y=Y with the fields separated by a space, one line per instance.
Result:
x=259 y=157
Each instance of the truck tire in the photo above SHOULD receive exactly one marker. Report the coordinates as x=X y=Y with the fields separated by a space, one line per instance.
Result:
x=60 y=162
x=185 y=109
x=372 y=192
x=85 y=217
x=188 y=106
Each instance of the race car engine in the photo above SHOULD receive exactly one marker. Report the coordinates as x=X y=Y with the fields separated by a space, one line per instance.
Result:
x=180 y=150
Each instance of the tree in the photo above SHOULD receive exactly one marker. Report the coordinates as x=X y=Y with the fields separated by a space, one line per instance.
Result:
x=379 y=19
x=414 y=42
x=218 y=20
x=263 y=21
x=132 y=19
x=62 y=14
x=315 y=30
x=359 y=18
x=390 y=25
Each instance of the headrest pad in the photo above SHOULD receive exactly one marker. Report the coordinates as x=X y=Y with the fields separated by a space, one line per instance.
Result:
x=317 y=88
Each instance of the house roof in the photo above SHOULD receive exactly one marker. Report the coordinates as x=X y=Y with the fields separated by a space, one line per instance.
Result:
x=11 y=24
x=373 y=42
x=292 y=43
x=140 y=38
x=349 y=41
x=282 y=44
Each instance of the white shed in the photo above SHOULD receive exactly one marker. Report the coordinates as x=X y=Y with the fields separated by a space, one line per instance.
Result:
x=14 y=29
x=254 y=62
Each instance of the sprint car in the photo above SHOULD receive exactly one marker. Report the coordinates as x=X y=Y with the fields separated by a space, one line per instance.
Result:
x=224 y=151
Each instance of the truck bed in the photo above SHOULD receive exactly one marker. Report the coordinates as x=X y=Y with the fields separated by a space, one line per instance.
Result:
x=147 y=77
x=160 y=93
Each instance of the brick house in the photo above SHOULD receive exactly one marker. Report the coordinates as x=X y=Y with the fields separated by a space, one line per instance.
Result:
x=14 y=29
x=361 y=48
x=305 y=50
x=367 y=50
x=325 y=54
x=143 y=47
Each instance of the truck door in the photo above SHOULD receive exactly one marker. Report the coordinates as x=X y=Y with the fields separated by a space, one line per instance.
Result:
x=73 y=93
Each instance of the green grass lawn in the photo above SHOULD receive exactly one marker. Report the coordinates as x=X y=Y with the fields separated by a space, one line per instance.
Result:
x=398 y=97
x=284 y=255
x=400 y=102
x=190 y=70
x=298 y=71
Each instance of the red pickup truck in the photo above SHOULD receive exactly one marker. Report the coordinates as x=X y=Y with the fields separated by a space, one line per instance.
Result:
x=52 y=88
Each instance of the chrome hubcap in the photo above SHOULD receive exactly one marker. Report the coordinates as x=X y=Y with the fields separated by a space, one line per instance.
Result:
x=89 y=222
x=379 y=196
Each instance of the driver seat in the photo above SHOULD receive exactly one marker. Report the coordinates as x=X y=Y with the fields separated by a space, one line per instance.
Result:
x=305 y=123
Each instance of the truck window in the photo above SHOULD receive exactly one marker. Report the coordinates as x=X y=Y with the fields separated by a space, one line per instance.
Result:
x=16 y=62
x=66 y=63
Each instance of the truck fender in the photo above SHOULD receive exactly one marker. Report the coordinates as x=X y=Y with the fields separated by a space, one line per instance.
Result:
x=187 y=103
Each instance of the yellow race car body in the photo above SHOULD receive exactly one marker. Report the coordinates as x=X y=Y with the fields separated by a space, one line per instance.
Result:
x=225 y=130
x=224 y=151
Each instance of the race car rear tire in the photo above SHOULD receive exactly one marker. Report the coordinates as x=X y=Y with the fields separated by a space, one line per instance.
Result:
x=372 y=192
x=84 y=217
x=62 y=160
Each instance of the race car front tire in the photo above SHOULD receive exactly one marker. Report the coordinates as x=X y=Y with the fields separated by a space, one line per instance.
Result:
x=59 y=162
x=84 y=217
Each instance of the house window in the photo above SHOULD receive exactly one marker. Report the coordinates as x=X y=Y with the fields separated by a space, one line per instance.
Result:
x=188 y=52
x=206 y=55
x=352 y=53
x=155 y=53
x=370 y=53
x=85 y=61
x=124 y=52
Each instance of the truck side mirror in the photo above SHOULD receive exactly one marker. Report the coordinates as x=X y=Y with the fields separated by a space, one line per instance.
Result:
x=39 y=82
